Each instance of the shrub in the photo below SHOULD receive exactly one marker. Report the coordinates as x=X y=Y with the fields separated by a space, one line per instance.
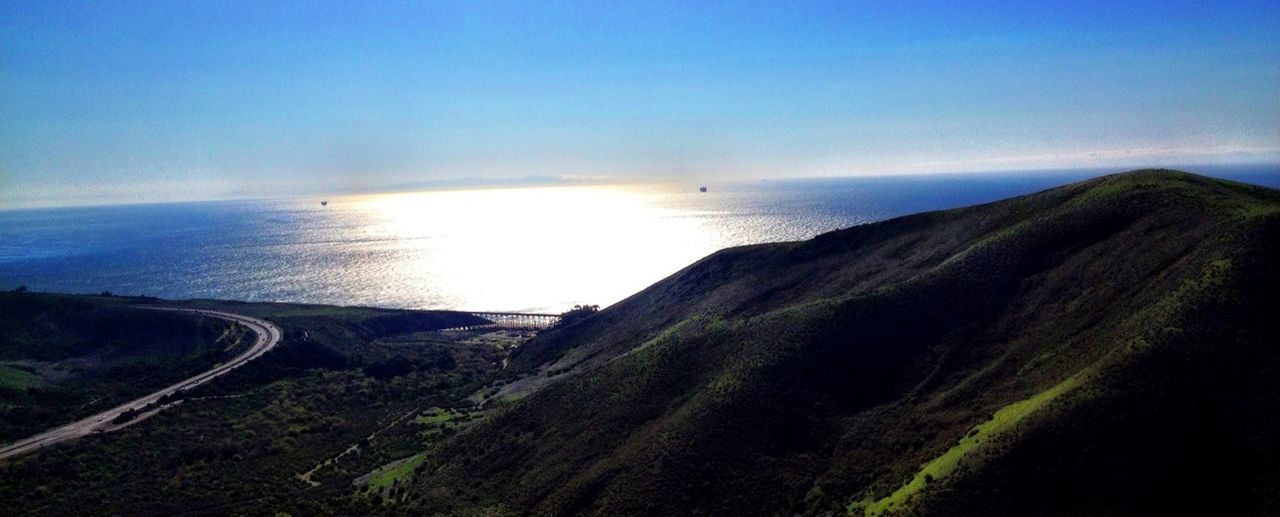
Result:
x=578 y=312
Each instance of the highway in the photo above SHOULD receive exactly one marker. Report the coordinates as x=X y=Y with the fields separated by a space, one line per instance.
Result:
x=268 y=335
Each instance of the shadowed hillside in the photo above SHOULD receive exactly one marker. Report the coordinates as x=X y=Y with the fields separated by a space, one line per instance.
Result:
x=67 y=357
x=302 y=430
x=1103 y=347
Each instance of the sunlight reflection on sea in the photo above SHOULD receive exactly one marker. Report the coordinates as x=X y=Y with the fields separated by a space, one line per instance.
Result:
x=517 y=249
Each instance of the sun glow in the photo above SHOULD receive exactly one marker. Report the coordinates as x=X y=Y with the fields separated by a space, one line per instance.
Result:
x=509 y=249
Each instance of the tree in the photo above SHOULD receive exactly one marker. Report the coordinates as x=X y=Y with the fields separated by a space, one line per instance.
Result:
x=126 y=416
x=20 y=289
x=578 y=312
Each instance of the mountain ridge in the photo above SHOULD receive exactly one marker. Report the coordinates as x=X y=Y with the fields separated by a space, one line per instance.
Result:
x=877 y=368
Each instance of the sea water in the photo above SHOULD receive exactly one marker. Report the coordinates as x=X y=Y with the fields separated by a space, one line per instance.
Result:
x=511 y=249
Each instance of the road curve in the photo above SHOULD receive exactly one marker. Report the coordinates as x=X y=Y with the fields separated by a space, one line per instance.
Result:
x=268 y=335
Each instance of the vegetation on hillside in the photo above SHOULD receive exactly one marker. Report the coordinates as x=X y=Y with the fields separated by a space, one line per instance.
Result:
x=64 y=358
x=1106 y=347
x=291 y=431
x=941 y=361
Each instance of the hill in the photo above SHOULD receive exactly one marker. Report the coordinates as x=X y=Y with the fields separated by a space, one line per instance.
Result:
x=66 y=357
x=1099 y=348
x=300 y=431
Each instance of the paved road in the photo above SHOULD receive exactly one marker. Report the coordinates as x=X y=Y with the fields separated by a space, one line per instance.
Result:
x=268 y=335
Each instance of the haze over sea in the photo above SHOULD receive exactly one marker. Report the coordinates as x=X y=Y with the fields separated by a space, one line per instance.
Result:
x=449 y=249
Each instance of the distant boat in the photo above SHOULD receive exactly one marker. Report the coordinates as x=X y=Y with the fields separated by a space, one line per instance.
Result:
x=702 y=189
x=324 y=202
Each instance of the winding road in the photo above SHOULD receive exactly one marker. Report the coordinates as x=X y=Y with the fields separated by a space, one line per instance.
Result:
x=268 y=335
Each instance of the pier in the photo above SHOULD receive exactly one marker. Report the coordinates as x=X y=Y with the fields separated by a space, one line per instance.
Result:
x=512 y=320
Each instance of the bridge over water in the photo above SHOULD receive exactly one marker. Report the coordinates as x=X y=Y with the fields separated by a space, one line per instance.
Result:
x=512 y=320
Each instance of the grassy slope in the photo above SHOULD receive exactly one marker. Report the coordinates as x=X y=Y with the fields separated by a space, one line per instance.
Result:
x=64 y=357
x=900 y=361
x=239 y=443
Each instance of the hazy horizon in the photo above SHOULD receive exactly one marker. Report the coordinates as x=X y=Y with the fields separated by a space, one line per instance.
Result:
x=121 y=103
x=1268 y=172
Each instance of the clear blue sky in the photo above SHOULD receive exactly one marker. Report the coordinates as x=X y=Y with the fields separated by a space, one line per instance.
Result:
x=126 y=101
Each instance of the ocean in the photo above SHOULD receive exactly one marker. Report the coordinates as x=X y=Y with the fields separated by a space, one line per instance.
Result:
x=538 y=249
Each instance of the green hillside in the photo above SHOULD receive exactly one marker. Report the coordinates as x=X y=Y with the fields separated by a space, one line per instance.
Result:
x=1104 y=347
x=325 y=423
x=67 y=357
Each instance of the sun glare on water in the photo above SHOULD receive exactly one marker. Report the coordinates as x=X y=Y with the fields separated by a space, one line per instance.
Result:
x=534 y=248
x=517 y=249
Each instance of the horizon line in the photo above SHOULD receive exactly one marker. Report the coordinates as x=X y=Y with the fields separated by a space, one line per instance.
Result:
x=550 y=181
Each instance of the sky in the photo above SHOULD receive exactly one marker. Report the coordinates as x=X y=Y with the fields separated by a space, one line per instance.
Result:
x=108 y=102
